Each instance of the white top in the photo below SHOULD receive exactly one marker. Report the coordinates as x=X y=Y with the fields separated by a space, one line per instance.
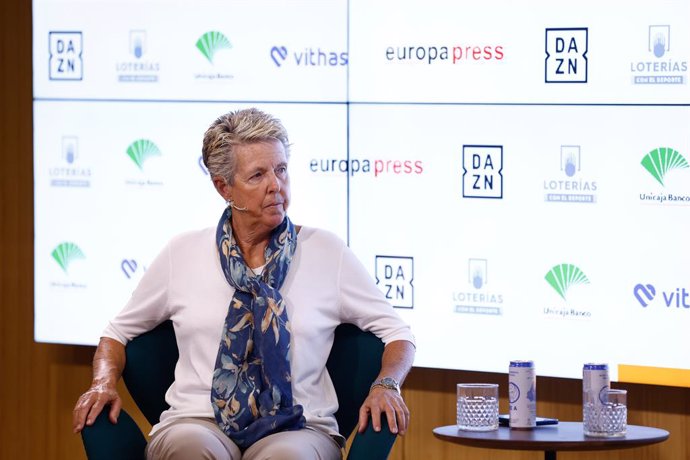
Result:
x=326 y=285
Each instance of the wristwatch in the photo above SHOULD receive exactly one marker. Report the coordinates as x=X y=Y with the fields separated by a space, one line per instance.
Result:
x=386 y=382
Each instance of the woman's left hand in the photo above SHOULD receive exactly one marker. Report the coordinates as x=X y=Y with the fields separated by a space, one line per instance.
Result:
x=384 y=402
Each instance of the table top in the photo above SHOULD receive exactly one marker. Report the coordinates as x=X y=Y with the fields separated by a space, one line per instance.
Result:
x=562 y=436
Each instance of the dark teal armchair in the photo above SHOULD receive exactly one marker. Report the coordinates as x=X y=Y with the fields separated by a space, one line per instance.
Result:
x=353 y=364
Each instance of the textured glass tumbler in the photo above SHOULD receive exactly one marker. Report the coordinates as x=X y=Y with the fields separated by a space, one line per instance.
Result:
x=477 y=406
x=609 y=418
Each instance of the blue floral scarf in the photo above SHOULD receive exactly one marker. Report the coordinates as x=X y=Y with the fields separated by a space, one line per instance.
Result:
x=251 y=392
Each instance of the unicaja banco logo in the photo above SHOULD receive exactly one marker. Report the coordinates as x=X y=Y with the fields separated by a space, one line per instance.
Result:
x=562 y=277
x=66 y=253
x=566 y=55
x=141 y=150
x=660 y=161
x=212 y=42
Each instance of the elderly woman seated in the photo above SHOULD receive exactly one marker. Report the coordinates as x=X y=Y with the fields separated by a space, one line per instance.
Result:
x=254 y=301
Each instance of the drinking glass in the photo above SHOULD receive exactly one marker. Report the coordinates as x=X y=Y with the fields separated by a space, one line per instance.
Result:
x=607 y=418
x=477 y=405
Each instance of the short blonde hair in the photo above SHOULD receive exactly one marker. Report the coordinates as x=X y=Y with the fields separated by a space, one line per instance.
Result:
x=245 y=126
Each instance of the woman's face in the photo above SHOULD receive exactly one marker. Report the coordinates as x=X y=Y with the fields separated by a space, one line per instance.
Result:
x=261 y=184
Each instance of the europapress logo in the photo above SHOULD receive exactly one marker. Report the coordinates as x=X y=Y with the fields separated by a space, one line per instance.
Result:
x=394 y=276
x=213 y=46
x=661 y=164
x=137 y=67
x=459 y=52
x=566 y=55
x=476 y=298
x=571 y=185
x=139 y=152
x=70 y=170
x=308 y=57
x=659 y=65
x=678 y=298
x=378 y=167
x=562 y=278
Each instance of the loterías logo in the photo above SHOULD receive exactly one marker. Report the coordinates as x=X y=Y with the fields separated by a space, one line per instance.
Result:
x=658 y=64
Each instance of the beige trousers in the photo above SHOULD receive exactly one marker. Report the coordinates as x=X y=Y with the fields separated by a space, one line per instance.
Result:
x=200 y=438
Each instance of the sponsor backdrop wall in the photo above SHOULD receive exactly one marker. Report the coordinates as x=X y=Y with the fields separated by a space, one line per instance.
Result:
x=514 y=175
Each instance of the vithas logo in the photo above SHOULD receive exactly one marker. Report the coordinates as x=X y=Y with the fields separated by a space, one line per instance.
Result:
x=66 y=253
x=141 y=150
x=645 y=294
x=562 y=277
x=660 y=161
x=212 y=42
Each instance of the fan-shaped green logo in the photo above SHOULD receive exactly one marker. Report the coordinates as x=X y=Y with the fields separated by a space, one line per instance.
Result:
x=562 y=276
x=140 y=150
x=660 y=161
x=65 y=253
x=212 y=42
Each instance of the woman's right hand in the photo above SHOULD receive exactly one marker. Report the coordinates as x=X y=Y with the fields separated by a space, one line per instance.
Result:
x=108 y=363
x=91 y=403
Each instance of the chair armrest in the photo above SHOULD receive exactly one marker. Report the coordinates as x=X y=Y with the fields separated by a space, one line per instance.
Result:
x=372 y=445
x=107 y=441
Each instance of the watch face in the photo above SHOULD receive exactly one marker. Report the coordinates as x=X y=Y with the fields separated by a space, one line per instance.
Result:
x=389 y=382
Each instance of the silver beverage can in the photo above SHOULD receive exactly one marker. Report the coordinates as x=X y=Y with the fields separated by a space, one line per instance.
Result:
x=595 y=382
x=522 y=394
